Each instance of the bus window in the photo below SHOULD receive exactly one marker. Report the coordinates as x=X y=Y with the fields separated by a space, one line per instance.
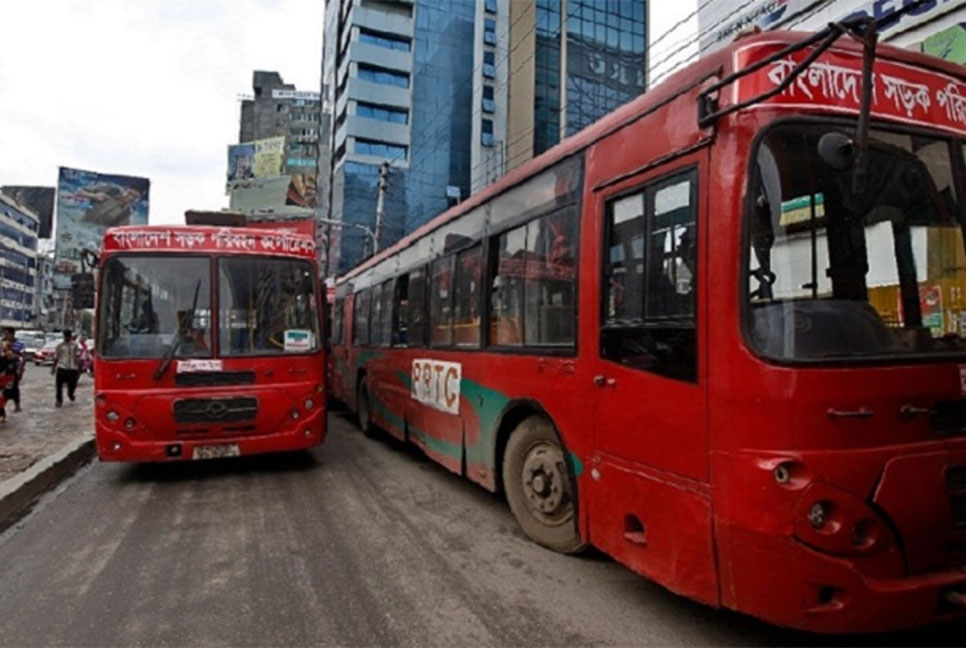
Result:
x=385 y=334
x=550 y=273
x=649 y=279
x=466 y=298
x=400 y=312
x=417 y=308
x=360 y=319
x=337 y=322
x=375 y=322
x=440 y=312
x=506 y=288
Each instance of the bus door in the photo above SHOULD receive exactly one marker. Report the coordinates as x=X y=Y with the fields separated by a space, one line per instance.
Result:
x=649 y=475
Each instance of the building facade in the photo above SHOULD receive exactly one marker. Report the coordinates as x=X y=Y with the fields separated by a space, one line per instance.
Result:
x=570 y=63
x=18 y=263
x=400 y=80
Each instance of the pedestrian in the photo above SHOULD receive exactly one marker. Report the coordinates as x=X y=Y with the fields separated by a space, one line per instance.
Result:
x=8 y=363
x=65 y=367
x=16 y=368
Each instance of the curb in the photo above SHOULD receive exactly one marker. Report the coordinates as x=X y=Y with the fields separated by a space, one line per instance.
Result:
x=18 y=493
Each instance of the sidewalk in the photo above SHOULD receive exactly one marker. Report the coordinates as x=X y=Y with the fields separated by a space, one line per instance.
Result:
x=42 y=444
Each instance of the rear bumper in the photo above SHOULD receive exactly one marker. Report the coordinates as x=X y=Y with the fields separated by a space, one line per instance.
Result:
x=113 y=445
x=783 y=581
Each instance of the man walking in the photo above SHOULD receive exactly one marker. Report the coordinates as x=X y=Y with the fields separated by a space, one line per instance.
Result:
x=65 y=366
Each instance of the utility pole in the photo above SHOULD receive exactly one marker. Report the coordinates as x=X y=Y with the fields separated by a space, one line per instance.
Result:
x=381 y=203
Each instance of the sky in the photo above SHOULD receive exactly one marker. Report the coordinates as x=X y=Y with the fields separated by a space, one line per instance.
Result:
x=150 y=87
x=143 y=87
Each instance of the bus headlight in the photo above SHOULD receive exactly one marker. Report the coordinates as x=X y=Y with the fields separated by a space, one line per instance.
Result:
x=834 y=521
x=818 y=515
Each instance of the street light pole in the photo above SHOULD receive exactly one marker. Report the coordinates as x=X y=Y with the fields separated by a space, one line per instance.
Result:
x=337 y=223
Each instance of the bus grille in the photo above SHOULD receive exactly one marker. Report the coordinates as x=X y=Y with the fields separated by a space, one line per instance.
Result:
x=215 y=410
x=956 y=483
x=949 y=418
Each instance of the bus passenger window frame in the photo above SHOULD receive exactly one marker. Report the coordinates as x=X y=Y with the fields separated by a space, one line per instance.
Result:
x=375 y=315
x=397 y=339
x=663 y=343
x=338 y=322
x=388 y=292
x=449 y=259
x=477 y=250
x=417 y=288
x=358 y=316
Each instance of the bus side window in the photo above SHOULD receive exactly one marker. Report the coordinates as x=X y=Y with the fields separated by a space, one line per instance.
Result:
x=416 y=333
x=360 y=319
x=337 y=322
x=385 y=325
x=441 y=303
x=466 y=298
x=506 y=288
x=375 y=322
x=400 y=312
x=649 y=279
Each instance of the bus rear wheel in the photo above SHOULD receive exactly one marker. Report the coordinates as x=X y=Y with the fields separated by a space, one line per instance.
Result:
x=364 y=409
x=539 y=487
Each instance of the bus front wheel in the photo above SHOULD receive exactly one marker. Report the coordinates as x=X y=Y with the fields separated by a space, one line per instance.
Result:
x=539 y=487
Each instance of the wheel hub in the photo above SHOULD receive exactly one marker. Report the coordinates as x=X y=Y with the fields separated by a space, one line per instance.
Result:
x=544 y=479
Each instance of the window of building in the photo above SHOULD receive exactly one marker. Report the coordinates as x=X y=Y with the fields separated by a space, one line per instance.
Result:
x=360 y=319
x=389 y=41
x=489 y=64
x=489 y=31
x=417 y=307
x=380 y=149
x=486 y=132
x=382 y=113
x=649 y=279
x=466 y=297
x=382 y=76
x=490 y=6
x=488 y=104
x=533 y=285
x=441 y=303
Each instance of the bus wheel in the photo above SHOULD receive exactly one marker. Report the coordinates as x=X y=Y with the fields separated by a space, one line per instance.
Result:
x=364 y=409
x=538 y=486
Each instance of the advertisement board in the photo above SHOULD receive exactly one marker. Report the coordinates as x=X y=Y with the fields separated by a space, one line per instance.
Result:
x=269 y=155
x=241 y=162
x=88 y=203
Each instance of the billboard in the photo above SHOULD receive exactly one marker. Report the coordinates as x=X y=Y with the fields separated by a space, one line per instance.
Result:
x=247 y=161
x=274 y=193
x=269 y=156
x=241 y=162
x=88 y=203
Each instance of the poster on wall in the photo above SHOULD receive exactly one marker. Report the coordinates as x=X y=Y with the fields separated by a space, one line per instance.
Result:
x=949 y=44
x=241 y=162
x=88 y=203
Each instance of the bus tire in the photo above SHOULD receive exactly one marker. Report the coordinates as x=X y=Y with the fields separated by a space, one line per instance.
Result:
x=364 y=409
x=539 y=486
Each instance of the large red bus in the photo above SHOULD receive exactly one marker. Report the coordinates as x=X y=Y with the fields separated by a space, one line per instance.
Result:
x=720 y=335
x=208 y=343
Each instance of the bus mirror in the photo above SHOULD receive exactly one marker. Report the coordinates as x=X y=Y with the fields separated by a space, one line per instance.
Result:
x=836 y=150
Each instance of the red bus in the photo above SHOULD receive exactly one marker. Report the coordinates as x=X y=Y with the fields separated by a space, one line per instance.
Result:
x=208 y=344
x=719 y=335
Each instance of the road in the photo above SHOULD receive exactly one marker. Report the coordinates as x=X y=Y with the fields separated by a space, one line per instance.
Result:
x=359 y=542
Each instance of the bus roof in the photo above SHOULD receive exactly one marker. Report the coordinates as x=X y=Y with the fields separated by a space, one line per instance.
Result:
x=207 y=239
x=744 y=51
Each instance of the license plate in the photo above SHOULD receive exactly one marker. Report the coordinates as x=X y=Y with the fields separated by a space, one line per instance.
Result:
x=215 y=451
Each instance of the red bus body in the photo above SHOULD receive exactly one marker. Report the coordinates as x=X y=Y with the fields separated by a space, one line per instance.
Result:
x=709 y=486
x=140 y=416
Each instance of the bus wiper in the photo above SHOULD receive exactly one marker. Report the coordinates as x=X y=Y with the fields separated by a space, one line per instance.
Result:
x=183 y=325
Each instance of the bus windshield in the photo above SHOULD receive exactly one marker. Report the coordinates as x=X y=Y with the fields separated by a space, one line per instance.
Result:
x=147 y=300
x=833 y=273
x=267 y=306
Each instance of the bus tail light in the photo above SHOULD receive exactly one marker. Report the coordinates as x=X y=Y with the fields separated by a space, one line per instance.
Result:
x=834 y=521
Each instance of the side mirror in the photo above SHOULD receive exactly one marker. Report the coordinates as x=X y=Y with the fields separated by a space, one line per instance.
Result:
x=837 y=150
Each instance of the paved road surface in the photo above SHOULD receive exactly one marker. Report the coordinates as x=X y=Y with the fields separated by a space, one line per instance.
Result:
x=359 y=542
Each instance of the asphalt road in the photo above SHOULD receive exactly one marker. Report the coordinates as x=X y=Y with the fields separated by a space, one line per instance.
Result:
x=359 y=542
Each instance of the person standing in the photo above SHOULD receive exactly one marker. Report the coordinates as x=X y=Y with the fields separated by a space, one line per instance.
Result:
x=65 y=367
x=15 y=367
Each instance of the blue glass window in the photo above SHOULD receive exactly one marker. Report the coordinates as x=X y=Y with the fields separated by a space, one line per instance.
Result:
x=489 y=31
x=372 y=111
x=490 y=6
x=380 y=149
x=383 y=76
x=486 y=135
x=488 y=104
x=489 y=64
x=384 y=40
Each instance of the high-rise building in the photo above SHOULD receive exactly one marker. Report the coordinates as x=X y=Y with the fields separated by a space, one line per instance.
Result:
x=570 y=63
x=400 y=80
x=18 y=263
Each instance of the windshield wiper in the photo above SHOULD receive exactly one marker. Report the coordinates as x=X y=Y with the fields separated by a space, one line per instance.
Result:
x=186 y=321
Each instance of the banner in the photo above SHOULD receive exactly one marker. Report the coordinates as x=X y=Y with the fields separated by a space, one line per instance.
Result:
x=88 y=203
x=241 y=162
x=269 y=155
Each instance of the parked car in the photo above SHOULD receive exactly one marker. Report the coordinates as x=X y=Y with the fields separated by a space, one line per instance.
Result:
x=32 y=340
x=45 y=354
